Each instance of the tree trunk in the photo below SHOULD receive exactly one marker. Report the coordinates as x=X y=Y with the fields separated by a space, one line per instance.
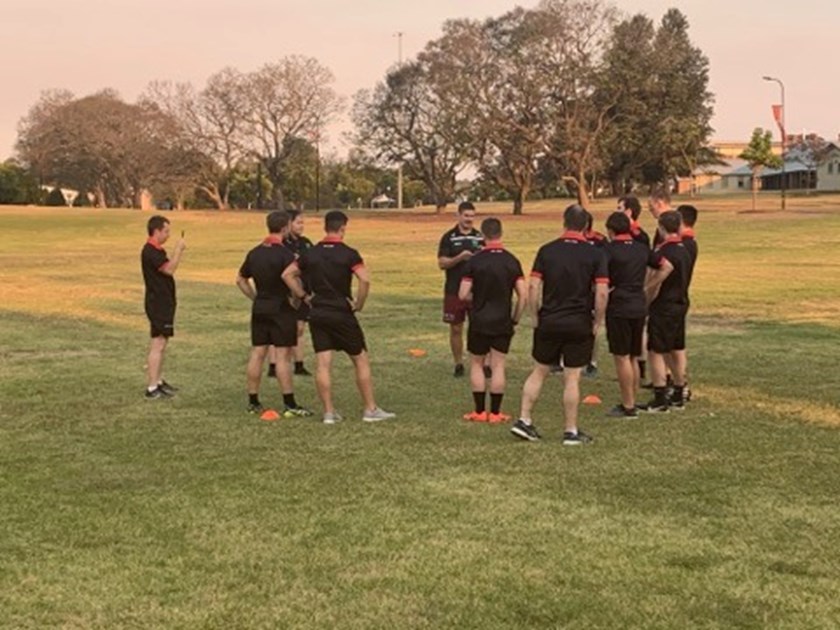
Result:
x=519 y=196
x=582 y=189
x=754 y=189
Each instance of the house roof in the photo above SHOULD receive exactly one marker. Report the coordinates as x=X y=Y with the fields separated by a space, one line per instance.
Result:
x=791 y=166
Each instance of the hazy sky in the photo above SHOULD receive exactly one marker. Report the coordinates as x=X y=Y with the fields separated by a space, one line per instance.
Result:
x=86 y=45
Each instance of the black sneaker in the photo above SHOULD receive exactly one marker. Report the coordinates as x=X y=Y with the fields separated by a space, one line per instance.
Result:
x=488 y=373
x=156 y=393
x=255 y=408
x=556 y=369
x=459 y=370
x=525 y=431
x=620 y=411
x=590 y=371
x=168 y=389
x=653 y=407
x=302 y=371
x=677 y=403
x=272 y=370
x=686 y=394
x=574 y=439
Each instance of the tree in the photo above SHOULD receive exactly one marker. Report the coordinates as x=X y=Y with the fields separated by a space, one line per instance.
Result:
x=759 y=154
x=18 y=185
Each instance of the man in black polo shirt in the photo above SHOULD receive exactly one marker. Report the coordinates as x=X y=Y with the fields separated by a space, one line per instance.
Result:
x=158 y=276
x=666 y=319
x=567 y=314
x=328 y=269
x=298 y=243
x=273 y=320
x=689 y=219
x=490 y=278
x=456 y=247
x=630 y=206
x=629 y=261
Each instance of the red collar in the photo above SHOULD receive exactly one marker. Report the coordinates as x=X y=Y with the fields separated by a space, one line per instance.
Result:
x=687 y=232
x=494 y=245
x=154 y=244
x=673 y=238
x=622 y=238
x=331 y=239
x=273 y=239
x=635 y=227
x=594 y=235
x=570 y=235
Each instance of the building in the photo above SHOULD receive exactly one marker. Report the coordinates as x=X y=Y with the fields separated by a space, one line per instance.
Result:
x=828 y=169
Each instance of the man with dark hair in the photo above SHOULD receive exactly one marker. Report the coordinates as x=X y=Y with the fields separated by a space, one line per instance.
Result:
x=659 y=203
x=490 y=278
x=629 y=261
x=689 y=219
x=456 y=247
x=561 y=300
x=160 y=302
x=273 y=320
x=630 y=206
x=298 y=243
x=592 y=235
x=328 y=269
x=666 y=320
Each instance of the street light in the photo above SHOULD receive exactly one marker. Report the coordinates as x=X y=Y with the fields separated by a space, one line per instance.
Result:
x=399 y=36
x=784 y=135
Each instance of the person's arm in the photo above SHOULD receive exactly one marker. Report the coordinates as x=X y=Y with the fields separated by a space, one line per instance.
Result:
x=465 y=290
x=521 y=299
x=447 y=262
x=655 y=278
x=602 y=293
x=171 y=266
x=535 y=295
x=363 y=289
x=246 y=287
x=292 y=277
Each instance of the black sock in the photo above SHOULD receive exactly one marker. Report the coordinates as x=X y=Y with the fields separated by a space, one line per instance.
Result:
x=496 y=402
x=289 y=401
x=298 y=365
x=642 y=370
x=253 y=399
x=659 y=396
x=480 y=404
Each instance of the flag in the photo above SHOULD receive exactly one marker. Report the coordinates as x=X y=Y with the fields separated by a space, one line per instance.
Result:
x=778 y=114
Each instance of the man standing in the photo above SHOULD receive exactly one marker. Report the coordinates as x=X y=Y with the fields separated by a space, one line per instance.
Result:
x=689 y=219
x=630 y=206
x=273 y=320
x=659 y=203
x=666 y=320
x=629 y=261
x=328 y=269
x=490 y=278
x=456 y=247
x=566 y=321
x=298 y=243
x=159 y=278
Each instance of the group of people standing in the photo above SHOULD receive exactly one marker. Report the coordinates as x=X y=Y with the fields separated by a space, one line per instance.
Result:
x=579 y=283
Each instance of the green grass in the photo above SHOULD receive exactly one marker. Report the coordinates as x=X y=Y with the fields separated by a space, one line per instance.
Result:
x=117 y=512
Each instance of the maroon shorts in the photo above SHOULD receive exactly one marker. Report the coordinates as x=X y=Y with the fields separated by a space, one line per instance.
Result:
x=454 y=310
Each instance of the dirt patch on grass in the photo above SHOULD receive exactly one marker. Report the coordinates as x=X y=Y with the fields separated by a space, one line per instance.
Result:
x=819 y=414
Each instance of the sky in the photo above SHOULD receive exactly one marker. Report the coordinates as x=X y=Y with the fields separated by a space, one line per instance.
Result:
x=88 y=45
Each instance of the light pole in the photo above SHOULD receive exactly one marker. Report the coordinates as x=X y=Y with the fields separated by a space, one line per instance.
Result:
x=399 y=36
x=784 y=135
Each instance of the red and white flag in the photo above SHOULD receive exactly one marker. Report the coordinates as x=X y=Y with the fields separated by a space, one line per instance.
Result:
x=778 y=114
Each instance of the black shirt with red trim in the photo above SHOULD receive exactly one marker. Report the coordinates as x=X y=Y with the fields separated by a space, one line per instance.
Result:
x=327 y=270
x=628 y=262
x=493 y=273
x=160 y=287
x=673 y=294
x=569 y=267
x=265 y=264
x=638 y=234
x=596 y=238
x=298 y=244
x=452 y=243
x=690 y=242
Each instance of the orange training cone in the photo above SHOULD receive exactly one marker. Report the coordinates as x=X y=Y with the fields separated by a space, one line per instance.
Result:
x=269 y=415
x=592 y=399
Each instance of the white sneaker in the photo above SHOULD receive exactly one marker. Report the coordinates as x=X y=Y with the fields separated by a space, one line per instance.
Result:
x=332 y=418
x=376 y=414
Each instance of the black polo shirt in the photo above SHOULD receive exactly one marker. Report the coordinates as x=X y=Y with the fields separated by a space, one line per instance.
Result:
x=327 y=269
x=639 y=234
x=298 y=244
x=453 y=243
x=493 y=273
x=673 y=294
x=265 y=264
x=568 y=267
x=628 y=262
x=160 y=287
x=690 y=243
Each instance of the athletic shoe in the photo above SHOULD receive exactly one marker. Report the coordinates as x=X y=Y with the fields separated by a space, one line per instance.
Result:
x=653 y=407
x=302 y=371
x=620 y=411
x=297 y=412
x=488 y=373
x=497 y=418
x=575 y=439
x=590 y=371
x=556 y=369
x=459 y=370
x=258 y=408
x=272 y=370
x=677 y=403
x=332 y=417
x=157 y=393
x=686 y=393
x=168 y=389
x=525 y=431
x=377 y=414
x=475 y=416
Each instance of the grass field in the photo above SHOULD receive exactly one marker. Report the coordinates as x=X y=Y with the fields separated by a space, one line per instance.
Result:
x=117 y=512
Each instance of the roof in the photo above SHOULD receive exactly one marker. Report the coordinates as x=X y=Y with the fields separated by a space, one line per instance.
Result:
x=791 y=166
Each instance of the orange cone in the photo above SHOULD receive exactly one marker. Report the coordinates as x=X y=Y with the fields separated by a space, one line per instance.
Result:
x=592 y=399
x=417 y=352
x=269 y=415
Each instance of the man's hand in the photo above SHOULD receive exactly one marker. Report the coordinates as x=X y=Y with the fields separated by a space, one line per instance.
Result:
x=465 y=255
x=181 y=245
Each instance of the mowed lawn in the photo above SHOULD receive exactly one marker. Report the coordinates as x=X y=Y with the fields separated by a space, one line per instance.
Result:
x=119 y=512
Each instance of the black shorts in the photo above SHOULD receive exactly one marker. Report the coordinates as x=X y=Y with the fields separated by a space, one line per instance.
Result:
x=337 y=331
x=480 y=344
x=575 y=348
x=666 y=331
x=302 y=313
x=162 y=322
x=624 y=335
x=275 y=329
